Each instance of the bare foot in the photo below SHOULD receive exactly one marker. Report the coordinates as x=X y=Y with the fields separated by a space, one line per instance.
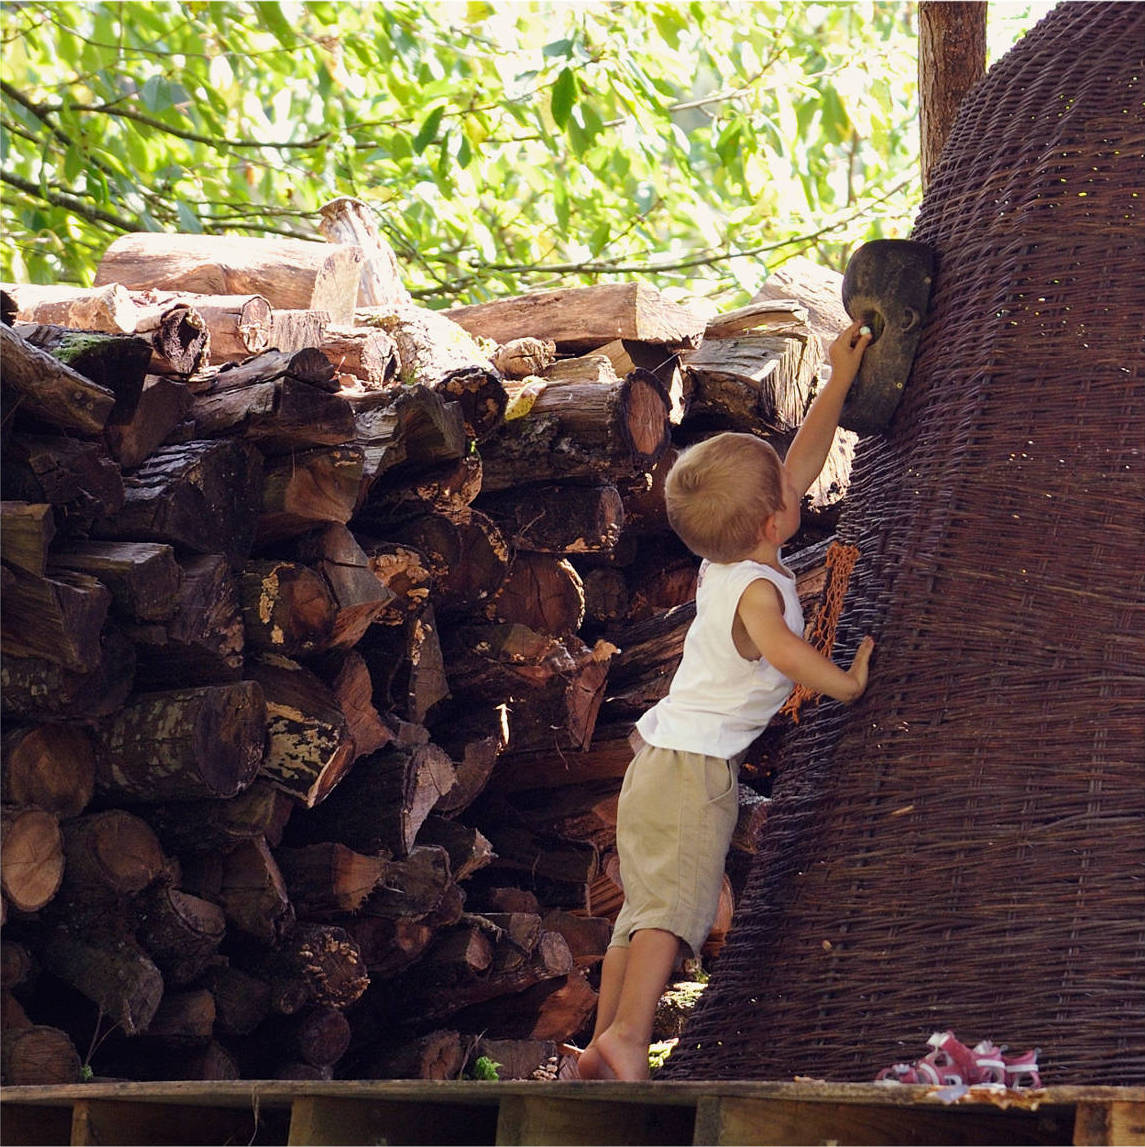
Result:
x=592 y=1065
x=625 y=1059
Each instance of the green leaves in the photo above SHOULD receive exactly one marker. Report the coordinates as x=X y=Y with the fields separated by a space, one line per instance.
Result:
x=689 y=144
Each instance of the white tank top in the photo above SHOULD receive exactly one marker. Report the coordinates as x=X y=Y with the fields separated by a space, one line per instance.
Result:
x=719 y=701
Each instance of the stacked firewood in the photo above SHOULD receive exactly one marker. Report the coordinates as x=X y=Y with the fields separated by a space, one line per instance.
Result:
x=324 y=629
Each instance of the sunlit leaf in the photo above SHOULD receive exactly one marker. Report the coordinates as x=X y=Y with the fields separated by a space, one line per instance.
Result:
x=563 y=97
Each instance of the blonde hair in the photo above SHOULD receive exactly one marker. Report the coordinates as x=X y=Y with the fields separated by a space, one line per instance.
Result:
x=719 y=492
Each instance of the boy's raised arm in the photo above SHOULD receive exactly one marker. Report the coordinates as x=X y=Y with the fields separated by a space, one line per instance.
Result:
x=808 y=452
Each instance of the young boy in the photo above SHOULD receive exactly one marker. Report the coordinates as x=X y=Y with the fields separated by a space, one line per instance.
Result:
x=733 y=503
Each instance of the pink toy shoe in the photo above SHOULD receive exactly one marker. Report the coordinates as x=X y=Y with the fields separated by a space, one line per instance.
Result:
x=1019 y=1067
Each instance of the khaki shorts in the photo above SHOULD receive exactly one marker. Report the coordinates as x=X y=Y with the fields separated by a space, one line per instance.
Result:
x=674 y=825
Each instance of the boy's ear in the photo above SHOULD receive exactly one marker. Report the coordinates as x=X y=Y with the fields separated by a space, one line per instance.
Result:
x=769 y=531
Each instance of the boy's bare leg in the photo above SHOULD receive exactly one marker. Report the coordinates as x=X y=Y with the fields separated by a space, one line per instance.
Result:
x=620 y=1051
x=591 y=1065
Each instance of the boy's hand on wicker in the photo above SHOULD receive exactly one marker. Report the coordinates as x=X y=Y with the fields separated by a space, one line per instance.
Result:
x=860 y=665
x=846 y=352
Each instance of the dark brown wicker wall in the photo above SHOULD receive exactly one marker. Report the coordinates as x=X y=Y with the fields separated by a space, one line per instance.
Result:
x=964 y=847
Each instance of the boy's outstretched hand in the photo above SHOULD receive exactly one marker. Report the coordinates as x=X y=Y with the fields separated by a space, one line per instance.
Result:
x=860 y=665
x=846 y=352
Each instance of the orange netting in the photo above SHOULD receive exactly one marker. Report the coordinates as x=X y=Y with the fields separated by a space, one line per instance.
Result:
x=840 y=561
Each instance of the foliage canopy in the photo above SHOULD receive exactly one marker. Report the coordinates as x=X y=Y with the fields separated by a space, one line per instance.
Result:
x=503 y=146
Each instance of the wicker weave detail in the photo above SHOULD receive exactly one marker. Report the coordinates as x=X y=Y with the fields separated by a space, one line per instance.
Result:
x=964 y=847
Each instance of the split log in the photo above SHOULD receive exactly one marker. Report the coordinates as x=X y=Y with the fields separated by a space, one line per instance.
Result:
x=406 y=666
x=253 y=893
x=540 y=854
x=519 y=358
x=518 y=1058
x=558 y=519
x=446 y=489
x=607 y=759
x=369 y=354
x=260 y=811
x=58 y=618
x=461 y=951
x=31 y=857
x=309 y=747
x=627 y=355
x=105 y=308
x=584 y=431
x=543 y=592
x=382 y=802
x=179 y=336
x=587 y=936
x=110 y=970
x=348 y=677
x=45 y=389
x=51 y=766
x=268 y=402
x=237 y=326
x=287 y=608
x=75 y=476
x=409 y=425
x=183 y=744
x=467 y=556
x=468 y=848
x=110 y=855
x=325 y=879
x=318 y=1036
x=308 y=489
x=38 y=689
x=346 y=220
x=556 y=1008
x=202 y=642
x=164 y=404
x=437 y=1055
x=413 y=887
x=293 y=329
x=143 y=577
x=583 y=812
x=475 y=763
x=181 y=933
x=388 y=947
x=580 y=318
x=38 y=1055
x=435 y=352
x=359 y=598
x=403 y=570
x=28 y=529
x=183 y=1020
x=288 y=273
x=196 y=496
x=588 y=368
x=606 y=599
x=117 y=362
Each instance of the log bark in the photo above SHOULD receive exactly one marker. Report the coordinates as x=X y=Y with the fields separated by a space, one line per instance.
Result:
x=414 y=887
x=346 y=220
x=309 y=746
x=58 y=618
x=382 y=802
x=558 y=519
x=202 y=642
x=183 y=744
x=28 y=529
x=587 y=936
x=164 y=405
x=587 y=431
x=580 y=318
x=403 y=570
x=468 y=848
x=444 y=489
x=179 y=337
x=38 y=689
x=307 y=489
x=117 y=362
x=242 y=1001
x=51 y=766
x=294 y=329
x=38 y=1056
x=110 y=970
x=77 y=477
x=181 y=933
x=107 y=308
x=217 y=826
x=288 y=273
x=143 y=577
x=195 y=496
x=31 y=857
x=47 y=390
x=437 y=353
x=280 y=413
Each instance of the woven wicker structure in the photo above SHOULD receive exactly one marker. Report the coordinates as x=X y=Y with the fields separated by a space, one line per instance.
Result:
x=964 y=847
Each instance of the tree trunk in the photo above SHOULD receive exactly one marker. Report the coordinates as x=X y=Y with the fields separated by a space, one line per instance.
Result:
x=951 y=60
x=288 y=273
x=183 y=744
